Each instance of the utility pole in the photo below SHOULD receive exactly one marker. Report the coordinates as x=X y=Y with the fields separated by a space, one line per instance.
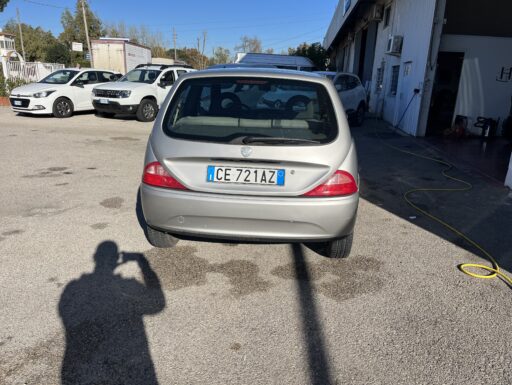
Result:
x=87 y=33
x=21 y=34
x=204 y=44
x=174 y=36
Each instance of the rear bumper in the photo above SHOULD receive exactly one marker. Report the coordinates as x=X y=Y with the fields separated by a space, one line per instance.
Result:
x=115 y=107
x=251 y=218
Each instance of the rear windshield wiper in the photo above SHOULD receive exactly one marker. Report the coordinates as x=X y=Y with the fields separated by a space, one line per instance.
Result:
x=277 y=140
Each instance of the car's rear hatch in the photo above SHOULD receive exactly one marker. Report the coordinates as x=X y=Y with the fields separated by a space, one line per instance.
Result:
x=212 y=142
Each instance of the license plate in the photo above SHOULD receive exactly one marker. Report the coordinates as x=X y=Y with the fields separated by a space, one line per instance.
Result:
x=245 y=175
x=103 y=101
x=17 y=102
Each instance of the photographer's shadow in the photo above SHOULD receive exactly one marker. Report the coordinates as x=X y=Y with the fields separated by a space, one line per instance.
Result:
x=103 y=316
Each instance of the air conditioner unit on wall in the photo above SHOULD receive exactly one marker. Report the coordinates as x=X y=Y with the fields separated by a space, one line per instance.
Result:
x=377 y=12
x=395 y=45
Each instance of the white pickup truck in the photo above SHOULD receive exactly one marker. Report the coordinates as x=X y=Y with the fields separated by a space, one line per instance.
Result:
x=141 y=91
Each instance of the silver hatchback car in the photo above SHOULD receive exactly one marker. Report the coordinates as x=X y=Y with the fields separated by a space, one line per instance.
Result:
x=223 y=163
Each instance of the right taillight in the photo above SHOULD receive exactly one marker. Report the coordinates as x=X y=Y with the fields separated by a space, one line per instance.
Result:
x=339 y=184
x=156 y=175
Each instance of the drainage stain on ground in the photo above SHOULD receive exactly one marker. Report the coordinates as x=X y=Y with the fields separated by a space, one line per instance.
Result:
x=179 y=268
x=99 y=226
x=50 y=172
x=126 y=138
x=235 y=346
x=337 y=279
x=12 y=232
x=45 y=356
x=112 y=203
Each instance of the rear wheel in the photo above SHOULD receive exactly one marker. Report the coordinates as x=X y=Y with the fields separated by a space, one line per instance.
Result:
x=359 y=116
x=62 y=108
x=339 y=248
x=297 y=103
x=147 y=110
x=160 y=239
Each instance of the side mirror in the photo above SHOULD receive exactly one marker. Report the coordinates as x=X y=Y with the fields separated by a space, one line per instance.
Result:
x=338 y=87
x=79 y=83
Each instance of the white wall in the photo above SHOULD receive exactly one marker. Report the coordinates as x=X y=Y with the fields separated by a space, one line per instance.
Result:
x=413 y=20
x=508 y=180
x=480 y=94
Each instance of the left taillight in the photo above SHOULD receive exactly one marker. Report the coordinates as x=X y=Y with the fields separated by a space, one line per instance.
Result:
x=339 y=184
x=156 y=175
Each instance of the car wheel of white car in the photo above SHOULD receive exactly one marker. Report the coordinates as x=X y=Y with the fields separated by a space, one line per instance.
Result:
x=62 y=108
x=297 y=103
x=359 y=116
x=147 y=110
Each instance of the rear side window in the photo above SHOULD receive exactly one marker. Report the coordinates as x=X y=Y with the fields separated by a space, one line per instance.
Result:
x=105 y=77
x=229 y=109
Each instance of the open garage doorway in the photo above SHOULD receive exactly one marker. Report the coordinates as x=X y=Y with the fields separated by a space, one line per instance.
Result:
x=444 y=92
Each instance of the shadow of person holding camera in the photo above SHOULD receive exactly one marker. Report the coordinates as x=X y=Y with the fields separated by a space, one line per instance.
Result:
x=102 y=313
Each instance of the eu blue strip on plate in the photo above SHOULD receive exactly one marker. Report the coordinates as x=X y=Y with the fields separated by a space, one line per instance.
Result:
x=280 y=177
x=210 y=173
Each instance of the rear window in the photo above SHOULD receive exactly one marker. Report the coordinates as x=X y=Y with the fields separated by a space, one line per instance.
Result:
x=240 y=110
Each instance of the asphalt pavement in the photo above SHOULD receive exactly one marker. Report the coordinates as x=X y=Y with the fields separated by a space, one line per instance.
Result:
x=84 y=299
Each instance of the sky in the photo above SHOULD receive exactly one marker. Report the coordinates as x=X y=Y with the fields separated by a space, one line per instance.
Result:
x=279 y=24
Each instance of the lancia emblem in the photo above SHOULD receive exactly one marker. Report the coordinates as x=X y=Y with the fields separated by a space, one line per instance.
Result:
x=246 y=152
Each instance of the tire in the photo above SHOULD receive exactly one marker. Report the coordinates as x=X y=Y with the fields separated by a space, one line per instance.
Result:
x=359 y=116
x=62 y=108
x=297 y=100
x=160 y=239
x=339 y=248
x=147 y=110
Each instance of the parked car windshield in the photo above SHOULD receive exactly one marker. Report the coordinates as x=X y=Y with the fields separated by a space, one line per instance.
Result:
x=59 y=77
x=141 y=76
x=242 y=110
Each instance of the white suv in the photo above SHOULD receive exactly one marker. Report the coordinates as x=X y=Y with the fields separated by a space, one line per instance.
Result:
x=352 y=95
x=141 y=91
x=60 y=93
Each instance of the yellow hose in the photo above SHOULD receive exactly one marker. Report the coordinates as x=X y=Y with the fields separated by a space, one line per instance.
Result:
x=494 y=270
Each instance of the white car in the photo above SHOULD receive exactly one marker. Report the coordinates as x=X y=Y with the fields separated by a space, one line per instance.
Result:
x=141 y=91
x=328 y=74
x=352 y=95
x=60 y=93
x=350 y=91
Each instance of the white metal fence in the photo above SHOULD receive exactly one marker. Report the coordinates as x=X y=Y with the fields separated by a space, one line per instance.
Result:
x=30 y=72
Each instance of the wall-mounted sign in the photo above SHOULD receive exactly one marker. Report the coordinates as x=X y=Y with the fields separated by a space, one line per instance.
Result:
x=346 y=6
x=79 y=47
x=504 y=75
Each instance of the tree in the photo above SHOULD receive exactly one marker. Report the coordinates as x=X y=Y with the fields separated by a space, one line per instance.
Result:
x=220 y=56
x=58 y=53
x=3 y=3
x=36 y=40
x=191 y=56
x=140 y=35
x=248 y=44
x=74 y=29
x=315 y=52
x=269 y=50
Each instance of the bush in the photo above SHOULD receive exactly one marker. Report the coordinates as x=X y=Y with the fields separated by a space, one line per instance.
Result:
x=12 y=83
x=3 y=86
